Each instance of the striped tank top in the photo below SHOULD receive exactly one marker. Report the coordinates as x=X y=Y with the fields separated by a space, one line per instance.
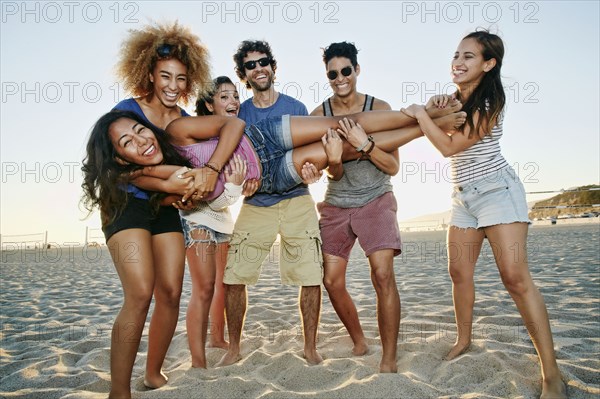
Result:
x=481 y=159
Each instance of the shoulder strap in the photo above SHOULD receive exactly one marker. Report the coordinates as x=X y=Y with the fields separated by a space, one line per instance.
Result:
x=369 y=100
x=327 y=110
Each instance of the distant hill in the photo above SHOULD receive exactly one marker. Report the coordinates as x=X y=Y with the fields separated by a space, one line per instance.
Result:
x=431 y=221
x=575 y=201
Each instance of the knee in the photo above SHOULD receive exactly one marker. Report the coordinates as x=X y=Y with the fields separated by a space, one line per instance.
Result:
x=333 y=285
x=383 y=277
x=458 y=274
x=204 y=291
x=168 y=296
x=139 y=300
x=516 y=283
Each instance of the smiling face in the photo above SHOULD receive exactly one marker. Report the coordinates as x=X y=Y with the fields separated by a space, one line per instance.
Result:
x=170 y=81
x=468 y=64
x=226 y=101
x=343 y=86
x=260 y=78
x=134 y=143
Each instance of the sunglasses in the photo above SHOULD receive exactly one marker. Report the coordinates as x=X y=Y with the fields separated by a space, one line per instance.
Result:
x=165 y=50
x=346 y=71
x=263 y=62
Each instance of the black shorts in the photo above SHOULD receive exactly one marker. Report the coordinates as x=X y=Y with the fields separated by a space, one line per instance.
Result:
x=138 y=215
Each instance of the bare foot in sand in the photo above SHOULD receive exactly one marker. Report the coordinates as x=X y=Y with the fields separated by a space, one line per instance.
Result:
x=155 y=381
x=229 y=358
x=553 y=389
x=312 y=356
x=457 y=350
x=198 y=364
x=218 y=344
x=360 y=349
x=390 y=367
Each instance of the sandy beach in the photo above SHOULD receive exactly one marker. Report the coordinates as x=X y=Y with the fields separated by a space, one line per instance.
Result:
x=57 y=309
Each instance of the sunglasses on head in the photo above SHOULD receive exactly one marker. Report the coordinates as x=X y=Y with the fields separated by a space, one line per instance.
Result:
x=263 y=62
x=346 y=71
x=165 y=50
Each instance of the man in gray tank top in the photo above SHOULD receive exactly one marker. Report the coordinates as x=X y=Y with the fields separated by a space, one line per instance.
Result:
x=359 y=203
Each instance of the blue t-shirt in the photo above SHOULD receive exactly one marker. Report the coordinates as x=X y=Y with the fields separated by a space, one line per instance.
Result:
x=131 y=105
x=285 y=105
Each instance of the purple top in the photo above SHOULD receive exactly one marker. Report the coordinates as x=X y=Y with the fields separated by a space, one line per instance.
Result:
x=199 y=153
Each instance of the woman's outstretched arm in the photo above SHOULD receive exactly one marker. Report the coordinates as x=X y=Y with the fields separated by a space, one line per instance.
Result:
x=447 y=145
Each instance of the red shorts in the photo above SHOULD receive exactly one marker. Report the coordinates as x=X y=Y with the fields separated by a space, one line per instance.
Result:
x=374 y=224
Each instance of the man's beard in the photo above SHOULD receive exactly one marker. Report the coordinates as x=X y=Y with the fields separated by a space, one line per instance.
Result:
x=262 y=86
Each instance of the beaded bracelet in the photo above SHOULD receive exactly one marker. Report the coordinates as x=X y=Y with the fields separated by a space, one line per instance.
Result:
x=209 y=166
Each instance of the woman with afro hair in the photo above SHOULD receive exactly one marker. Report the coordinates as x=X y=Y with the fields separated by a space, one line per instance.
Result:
x=161 y=66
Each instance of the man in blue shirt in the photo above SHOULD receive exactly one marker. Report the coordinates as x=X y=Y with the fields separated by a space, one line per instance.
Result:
x=292 y=215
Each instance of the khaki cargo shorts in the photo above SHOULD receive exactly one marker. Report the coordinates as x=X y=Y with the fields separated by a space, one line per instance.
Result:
x=256 y=228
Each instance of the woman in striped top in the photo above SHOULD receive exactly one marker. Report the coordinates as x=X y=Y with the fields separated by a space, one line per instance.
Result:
x=488 y=200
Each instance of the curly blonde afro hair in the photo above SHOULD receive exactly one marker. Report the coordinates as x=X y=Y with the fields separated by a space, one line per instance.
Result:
x=139 y=54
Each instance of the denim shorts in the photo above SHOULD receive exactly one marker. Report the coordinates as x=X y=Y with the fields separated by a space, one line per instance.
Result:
x=212 y=236
x=272 y=141
x=498 y=198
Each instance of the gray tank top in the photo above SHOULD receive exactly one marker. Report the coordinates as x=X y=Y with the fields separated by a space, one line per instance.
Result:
x=362 y=182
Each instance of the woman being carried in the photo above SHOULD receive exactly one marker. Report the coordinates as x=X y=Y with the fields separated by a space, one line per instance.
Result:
x=276 y=148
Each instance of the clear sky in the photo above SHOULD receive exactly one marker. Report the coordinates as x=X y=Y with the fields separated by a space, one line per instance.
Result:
x=57 y=77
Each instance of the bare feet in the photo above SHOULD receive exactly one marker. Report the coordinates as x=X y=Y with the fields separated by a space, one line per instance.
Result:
x=156 y=381
x=388 y=368
x=457 y=350
x=435 y=112
x=199 y=364
x=360 y=349
x=119 y=395
x=218 y=344
x=553 y=389
x=312 y=356
x=229 y=358
x=452 y=121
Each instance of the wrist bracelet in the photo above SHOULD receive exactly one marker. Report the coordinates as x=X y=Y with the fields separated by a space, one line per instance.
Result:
x=209 y=166
x=366 y=153
x=366 y=143
x=363 y=145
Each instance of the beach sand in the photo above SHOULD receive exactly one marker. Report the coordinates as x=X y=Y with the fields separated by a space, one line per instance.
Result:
x=57 y=309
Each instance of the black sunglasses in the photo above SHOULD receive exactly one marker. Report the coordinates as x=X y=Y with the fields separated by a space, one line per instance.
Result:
x=346 y=71
x=165 y=50
x=263 y=62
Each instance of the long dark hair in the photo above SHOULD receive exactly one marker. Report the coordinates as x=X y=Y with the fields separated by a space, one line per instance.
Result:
x=105 y=179
x=488 y=97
